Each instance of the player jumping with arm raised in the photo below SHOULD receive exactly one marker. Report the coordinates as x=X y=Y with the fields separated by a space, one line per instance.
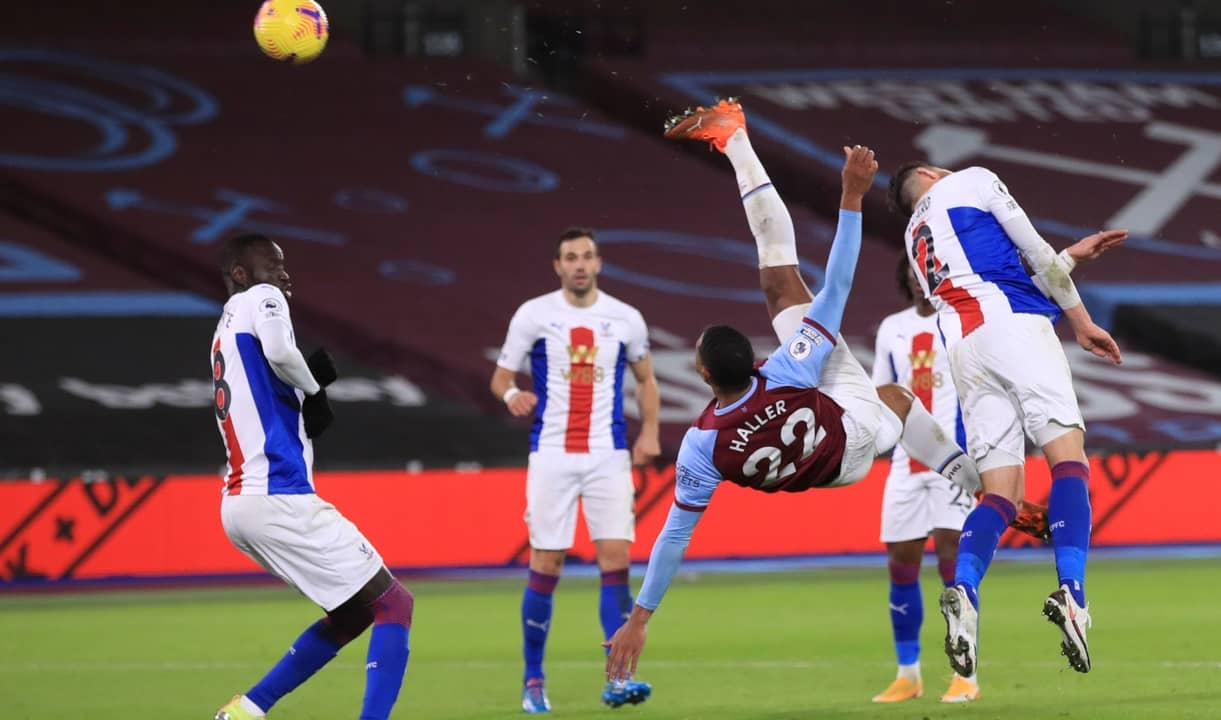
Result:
x=809 y=416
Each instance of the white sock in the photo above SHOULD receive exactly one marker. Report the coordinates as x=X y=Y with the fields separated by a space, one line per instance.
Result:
x=911 y=672
x=969 y=678
x=929 y=443
x=250 y=707
x=769 y=219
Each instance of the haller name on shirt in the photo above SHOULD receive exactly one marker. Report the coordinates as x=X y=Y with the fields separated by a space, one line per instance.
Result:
x=758 y=420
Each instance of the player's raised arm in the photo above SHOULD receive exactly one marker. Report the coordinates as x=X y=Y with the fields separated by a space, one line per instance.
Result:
x=1051 y=269
x=827 y=309
x=1084 y=251
x=798 y=361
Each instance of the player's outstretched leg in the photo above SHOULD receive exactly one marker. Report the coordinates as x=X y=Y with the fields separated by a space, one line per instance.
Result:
x=1069 y=511
x=962 y=688
x=723 y=127
x=321 y=642
x=317 y=646
x=981 y=532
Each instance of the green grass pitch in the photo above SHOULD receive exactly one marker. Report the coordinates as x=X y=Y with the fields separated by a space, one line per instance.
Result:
x=814 y=644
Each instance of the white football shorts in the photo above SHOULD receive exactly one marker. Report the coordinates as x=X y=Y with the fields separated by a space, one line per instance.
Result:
x=1013 y=380
x=916 y=503
x=304 y=541
x=602 y=480
x=869 y=425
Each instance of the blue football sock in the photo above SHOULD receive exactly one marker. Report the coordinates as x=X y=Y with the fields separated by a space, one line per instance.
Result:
x=615 y=601
x=1068 y=512
x=906 y=611
x=536 y=620
x=386 y=661
x=980 y=534
x=384 y=668
x=315 y=648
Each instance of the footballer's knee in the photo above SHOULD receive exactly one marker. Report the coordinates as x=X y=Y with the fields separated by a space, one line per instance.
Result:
x=396 y=605
x=548 y=562
x=613 y=554
x=346 y=622
x=908 y=552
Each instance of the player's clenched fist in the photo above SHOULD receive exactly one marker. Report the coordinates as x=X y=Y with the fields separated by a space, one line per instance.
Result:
x=522 y=403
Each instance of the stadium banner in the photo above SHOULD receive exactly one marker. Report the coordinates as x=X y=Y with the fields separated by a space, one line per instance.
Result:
x=152 y=408
x=153 y=528
x=388 y=271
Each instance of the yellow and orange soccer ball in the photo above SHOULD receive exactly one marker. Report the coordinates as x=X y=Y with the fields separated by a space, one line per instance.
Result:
x=291 y=30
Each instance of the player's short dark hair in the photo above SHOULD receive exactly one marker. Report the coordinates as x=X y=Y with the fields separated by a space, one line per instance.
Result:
x=572 y=233
x=897 y=195
x=728 y=356
x=901 y=273
x=235 y=249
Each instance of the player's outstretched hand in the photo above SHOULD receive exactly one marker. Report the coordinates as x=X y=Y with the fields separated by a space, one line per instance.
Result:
x=1098 y=341
x=625 y=647
x=1090 y=248
x=317 y=414
x=522 y=403
x=322 y=367
x=859 y=169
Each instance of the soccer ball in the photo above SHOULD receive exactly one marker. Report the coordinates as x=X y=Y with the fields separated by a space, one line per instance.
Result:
x=291 y=30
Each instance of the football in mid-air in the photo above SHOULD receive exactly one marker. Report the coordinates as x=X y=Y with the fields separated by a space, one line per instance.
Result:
x=291 y=30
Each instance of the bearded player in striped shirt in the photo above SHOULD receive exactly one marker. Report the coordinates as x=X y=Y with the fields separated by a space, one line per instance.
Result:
x=577 y=342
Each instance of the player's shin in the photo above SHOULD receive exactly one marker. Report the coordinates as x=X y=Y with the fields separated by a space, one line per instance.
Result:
x=906 y=616
x=388 y=651
x=536 y=620
x=615 y=601
x=314 y=648
x=925 y=440
x=1068 y=511
x=769 y=219
x=981 y=533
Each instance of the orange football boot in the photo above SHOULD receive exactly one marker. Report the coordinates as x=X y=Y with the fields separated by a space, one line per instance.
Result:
x=1032 y=520
x=713 y=125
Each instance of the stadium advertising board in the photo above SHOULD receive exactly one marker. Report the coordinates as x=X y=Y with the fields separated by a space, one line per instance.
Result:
x=158 y=527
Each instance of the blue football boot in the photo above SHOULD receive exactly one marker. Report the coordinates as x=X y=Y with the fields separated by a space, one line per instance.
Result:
x=632 y=692
x=534 y=697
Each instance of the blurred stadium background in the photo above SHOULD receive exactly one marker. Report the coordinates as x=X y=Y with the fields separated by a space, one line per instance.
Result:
x=416 y=176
